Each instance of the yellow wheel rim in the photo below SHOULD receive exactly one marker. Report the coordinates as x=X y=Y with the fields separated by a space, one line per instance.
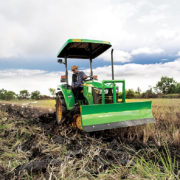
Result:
x=59 y=110
x=78 y=122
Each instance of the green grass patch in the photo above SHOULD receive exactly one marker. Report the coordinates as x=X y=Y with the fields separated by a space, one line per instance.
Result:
x=3 y=127
x=161 y=167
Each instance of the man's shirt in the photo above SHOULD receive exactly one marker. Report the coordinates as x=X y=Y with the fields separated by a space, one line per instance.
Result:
x=80 y=79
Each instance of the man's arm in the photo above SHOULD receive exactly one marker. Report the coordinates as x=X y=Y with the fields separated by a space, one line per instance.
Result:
x=84 y=76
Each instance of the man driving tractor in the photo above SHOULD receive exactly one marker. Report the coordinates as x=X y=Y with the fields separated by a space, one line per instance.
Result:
x=78 y=78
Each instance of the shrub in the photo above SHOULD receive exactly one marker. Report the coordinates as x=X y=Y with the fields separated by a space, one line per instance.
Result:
x=52 y=92
x=24 y=94
x=177 y=90
x=35 y=95
x=149 y=94
x=43 y=97
x=3 y=94
x=9 y=95
x=130 y=93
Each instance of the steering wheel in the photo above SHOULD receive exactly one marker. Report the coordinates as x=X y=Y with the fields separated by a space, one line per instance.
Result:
x=89 y=78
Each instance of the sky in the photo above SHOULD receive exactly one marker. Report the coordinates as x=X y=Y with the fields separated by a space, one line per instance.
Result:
x=145 y=36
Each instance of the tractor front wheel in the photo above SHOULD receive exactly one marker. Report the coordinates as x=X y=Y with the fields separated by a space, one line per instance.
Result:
x=60 y=108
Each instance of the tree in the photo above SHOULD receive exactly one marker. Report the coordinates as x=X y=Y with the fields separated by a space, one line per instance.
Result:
x=24 y=94
x=10 y=95
x=7 y=95
x=177 y=88
x=35 y=95
x=166 y=85
x=52 y=91
x=130 y=93
x=3 y=94
x=149 y=93
x=138 y=91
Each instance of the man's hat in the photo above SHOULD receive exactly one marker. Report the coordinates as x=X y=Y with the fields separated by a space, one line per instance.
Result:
x=74 y=67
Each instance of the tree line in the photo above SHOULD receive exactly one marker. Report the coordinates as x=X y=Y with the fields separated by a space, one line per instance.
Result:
x=165 y=87
x=24 y=94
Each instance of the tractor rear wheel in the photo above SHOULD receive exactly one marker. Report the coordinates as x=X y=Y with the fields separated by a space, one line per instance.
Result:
x=60 y=108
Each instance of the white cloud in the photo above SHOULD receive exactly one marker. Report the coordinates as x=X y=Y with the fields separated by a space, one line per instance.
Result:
x=178 y=54
x=152 y=18
x=167 y=34
x=147 y=50
x=141 y=75
x=39 y=28
x=125 y=56
x=136 y=75
x=32 y=80
x=118 y=55
x=164 y=59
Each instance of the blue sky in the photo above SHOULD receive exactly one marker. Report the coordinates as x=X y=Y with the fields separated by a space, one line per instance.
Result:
x=51 y=64
x=144 y=34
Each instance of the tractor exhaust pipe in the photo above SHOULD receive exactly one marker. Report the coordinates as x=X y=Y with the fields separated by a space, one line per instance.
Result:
x=112 y=64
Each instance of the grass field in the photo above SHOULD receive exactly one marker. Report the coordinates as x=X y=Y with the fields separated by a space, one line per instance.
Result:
x=142 y=152
x=51 y=103
x=34 y=103
x=165 y=111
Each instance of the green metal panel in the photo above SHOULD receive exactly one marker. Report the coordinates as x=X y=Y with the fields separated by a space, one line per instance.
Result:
x=87 y=93
x=77 y=53
x=87 y=89
x=97 y=84
x=68 y=96
x=113 y=85
x=92 y=115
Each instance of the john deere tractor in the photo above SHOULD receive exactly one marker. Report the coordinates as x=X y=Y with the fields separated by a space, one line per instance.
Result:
x=100 y=108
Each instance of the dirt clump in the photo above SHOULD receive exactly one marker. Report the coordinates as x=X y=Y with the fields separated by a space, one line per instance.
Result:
x=32 y=144
x=2 y=173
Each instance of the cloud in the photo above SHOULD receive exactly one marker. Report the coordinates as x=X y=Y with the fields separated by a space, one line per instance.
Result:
x=32 y=80
x=141 y=75
x=164 y=59
x=38 y=29
x=155 y=15
x=178 y=54
x=152 y=18
x=118 y=55
x=136 y=75
x=147 y=50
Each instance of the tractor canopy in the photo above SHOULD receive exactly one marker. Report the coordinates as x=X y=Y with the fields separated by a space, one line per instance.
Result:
x=83 y=48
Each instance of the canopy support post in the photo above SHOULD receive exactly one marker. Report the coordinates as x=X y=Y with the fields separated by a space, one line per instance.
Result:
x=91 y=72
x=66 y=69
x=112 y=64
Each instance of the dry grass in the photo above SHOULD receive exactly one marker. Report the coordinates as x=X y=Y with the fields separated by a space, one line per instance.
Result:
x=143 y=152
x=35 y=103
x=167 y=128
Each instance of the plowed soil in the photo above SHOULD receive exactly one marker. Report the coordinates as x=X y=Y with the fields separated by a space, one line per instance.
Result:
x=33 y=146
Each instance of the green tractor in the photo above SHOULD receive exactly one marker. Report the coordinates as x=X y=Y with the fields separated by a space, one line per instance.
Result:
x=100 y=107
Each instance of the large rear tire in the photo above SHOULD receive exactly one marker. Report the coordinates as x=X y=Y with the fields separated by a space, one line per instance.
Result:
x=60 y=108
